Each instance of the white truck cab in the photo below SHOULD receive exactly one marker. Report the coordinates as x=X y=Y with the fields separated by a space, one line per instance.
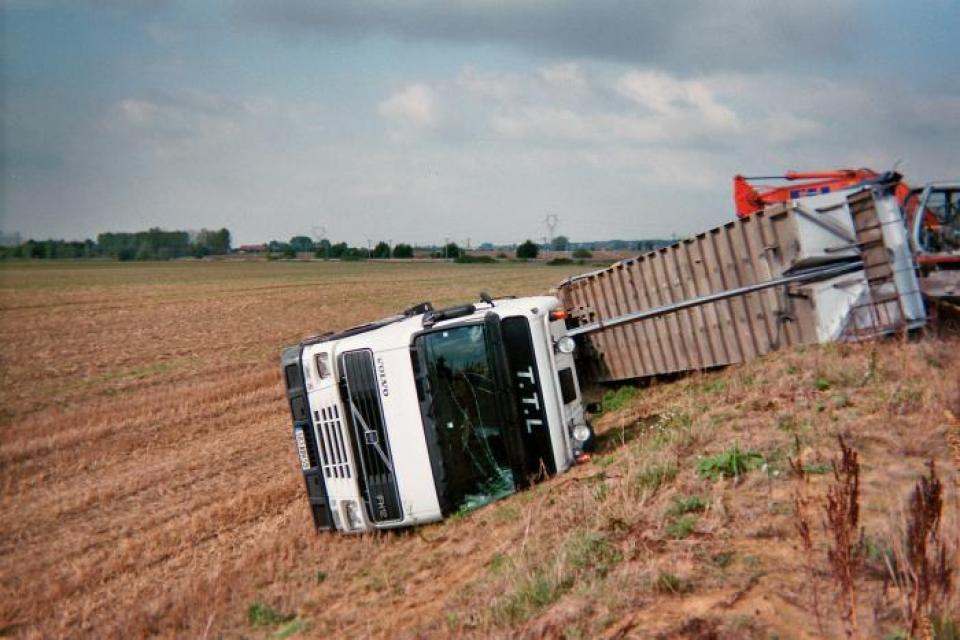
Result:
x=411 y=418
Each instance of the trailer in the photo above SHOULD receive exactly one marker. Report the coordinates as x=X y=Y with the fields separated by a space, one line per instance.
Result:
x=832 y=267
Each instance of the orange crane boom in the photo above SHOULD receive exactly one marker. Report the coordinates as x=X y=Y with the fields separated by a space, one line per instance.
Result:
x=750 y=199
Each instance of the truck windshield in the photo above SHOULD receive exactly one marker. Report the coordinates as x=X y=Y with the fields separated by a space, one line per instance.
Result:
x=457 y=369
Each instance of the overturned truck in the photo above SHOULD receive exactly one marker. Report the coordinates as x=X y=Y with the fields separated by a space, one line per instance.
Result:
x=430 y=412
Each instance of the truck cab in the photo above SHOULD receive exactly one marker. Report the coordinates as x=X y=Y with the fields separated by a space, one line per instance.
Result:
x=431 y=412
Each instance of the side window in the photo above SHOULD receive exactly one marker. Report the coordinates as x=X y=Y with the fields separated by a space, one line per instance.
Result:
x=941 y=226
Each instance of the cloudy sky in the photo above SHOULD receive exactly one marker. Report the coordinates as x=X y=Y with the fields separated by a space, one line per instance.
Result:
x=429 y=119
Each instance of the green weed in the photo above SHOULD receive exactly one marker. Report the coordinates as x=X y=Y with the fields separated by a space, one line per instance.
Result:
x=290 y=629
x=591 y=550
x=530 y=596
x=498 y=563
x=716 y=386
x=945 y=628
x=681 y=527
x=816 y=468
x=654 y=476
x=686 y=504
x=731 y=463
x=261 y=614
x=619 y=398
x=821 y=384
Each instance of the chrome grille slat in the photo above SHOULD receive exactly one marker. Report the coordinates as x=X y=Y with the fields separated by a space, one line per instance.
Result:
x=334 y=460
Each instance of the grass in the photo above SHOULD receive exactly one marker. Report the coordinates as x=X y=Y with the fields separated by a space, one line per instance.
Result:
x=732 y=463
x=593 y=551
x=586 y=556
x=615 y=400
x=686 y=504
x=260 y=614
x=531 y=595
x=290 y=629
x=671 y=584
x=681 y=527
x=723 y=559
x=655 y=475
x=817 y=468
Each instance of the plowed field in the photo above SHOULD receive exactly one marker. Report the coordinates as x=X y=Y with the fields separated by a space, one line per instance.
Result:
x=146 y=449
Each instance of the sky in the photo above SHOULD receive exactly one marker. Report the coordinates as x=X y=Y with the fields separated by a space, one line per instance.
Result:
x=427 y=120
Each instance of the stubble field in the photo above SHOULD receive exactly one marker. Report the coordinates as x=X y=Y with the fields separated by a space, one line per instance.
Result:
x=146 y=450
x=150 y=486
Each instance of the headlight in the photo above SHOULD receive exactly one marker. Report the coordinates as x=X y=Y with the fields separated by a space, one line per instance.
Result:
x=354 y=521
x=581 y=433
x=566 y=345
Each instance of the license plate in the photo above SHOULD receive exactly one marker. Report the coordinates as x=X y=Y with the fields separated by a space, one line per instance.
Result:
x=302 y=448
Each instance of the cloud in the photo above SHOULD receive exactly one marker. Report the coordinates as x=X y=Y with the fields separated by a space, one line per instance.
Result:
x=413 y=107
x=176 y=124
x=571 y=103
x=497 y=86
x=672 y=98
x=567 y=77
x=690 y=35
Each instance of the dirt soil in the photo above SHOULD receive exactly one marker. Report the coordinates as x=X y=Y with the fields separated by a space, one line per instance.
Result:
x=150 y=485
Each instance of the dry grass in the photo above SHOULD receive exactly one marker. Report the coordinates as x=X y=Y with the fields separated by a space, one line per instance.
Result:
x=150 y=485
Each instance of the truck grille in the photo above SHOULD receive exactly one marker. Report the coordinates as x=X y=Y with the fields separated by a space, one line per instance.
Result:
x=333 y=450
x=370 y=441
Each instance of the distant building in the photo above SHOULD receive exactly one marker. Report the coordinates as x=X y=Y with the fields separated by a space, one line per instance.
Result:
x=251 y=248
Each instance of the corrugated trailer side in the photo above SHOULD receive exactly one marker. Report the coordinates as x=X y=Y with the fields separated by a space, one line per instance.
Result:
x=740 y=253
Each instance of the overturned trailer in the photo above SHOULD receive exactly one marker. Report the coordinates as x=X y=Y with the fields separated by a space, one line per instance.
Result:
x=831 y=267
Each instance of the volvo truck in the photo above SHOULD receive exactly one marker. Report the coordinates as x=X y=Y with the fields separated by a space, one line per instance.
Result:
x=434 y=411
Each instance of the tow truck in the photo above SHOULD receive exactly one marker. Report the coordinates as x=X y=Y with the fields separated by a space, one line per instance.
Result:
x=930 y=212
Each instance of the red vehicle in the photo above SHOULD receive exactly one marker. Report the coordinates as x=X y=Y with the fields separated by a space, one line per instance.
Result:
x=750 y=199
x=934 y=235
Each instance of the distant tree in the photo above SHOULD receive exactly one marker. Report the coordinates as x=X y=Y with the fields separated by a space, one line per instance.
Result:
x=301 y=243
x=450 y=250
x=582 y=253
x=381 y=250
x=527 y=250
x=355 y=253
x=217 y=242
x=338 y=250
x=486 y=246
x=323 y=249
x=402 y=250
x=560 y=243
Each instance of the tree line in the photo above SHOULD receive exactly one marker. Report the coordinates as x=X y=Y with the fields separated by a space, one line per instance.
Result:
x=160 y=244
x=342 y=251
x=153 y=244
